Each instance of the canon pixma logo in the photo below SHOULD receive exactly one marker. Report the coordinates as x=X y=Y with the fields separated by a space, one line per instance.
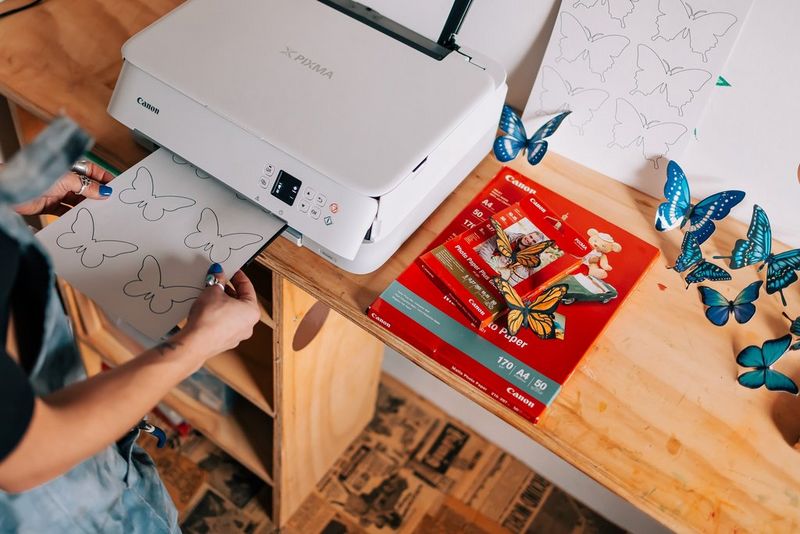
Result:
x=307 y=62
x=147 y=105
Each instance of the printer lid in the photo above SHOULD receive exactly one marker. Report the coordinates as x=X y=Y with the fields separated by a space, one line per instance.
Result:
x=351 y=102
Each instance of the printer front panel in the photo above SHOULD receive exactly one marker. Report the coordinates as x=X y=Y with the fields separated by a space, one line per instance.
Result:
x=309 y=202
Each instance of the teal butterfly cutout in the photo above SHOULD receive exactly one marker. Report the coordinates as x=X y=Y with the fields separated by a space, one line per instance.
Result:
x=757 y=248
x=794 y=329
x=761 y=360
x=691 y=256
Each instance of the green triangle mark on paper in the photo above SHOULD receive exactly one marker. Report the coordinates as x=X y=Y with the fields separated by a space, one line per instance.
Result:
x=722 y=82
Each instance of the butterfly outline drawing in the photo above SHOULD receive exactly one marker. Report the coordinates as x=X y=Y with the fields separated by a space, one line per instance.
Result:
x=203 y=175
x=632 y=128
x=677 y=84
x=141 y=194
x=210 y=239
x=81 y=239
x=677 y=18
x=149 y=285
x=617 y=9
x=559 y=95
x=578 y=41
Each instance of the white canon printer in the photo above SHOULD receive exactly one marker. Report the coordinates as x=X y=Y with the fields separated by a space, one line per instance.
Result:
x=341 y=122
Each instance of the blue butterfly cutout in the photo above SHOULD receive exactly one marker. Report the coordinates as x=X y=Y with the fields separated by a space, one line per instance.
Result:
x=758 y=248
x=720 y=309
x=692 y=256
x=794 y=329
x=679 y=210
x=706 y=271
x=508 y=147
x=761 y=360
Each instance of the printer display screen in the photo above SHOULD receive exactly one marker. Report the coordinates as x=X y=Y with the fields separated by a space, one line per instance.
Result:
x=286 y=187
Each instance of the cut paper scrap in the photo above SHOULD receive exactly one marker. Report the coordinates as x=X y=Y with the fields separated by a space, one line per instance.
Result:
x=636 y=76
x=143 y=253
x=722 y=82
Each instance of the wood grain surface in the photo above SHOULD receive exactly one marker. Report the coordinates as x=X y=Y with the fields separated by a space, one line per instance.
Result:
x=654 y=411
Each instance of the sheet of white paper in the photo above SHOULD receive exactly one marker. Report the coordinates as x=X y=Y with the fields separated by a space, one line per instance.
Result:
x=636 y=75
x=143 y=254
x=747 y=138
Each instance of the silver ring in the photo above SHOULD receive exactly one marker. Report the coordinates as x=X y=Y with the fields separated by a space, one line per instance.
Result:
x=85 y=183
x=81 y=168
x=211 y=280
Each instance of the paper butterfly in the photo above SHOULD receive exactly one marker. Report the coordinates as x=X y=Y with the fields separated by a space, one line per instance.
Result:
x=706 y=271
x=219 y=246
x=507 y=147
x=633 y=128
x=529 y=257
x=197 y=171
x=691 y=256
x=679 y=210
x=762 y=359
x=92 y=251
x=141 y=193
x=600 y=50
x=794 y=329
x=536 y=314
x=617 y=9
x=559 y=95
x=703 y=28
x=678 y=85
x=149 y=284
x=720 y=309
x=758 y=248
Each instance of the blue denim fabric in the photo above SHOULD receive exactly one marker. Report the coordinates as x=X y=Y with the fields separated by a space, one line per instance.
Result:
x=118 y=489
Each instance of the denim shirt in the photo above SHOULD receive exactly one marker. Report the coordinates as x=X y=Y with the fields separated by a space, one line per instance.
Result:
x=116 y=490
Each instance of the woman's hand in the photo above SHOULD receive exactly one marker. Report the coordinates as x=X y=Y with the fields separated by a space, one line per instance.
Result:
x=220 y=318
x=65 y=191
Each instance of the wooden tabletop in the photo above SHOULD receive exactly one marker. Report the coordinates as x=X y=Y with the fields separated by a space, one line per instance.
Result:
x=653 y=412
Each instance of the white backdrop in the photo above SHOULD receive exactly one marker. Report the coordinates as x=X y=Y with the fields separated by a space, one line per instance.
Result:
x=746 y=138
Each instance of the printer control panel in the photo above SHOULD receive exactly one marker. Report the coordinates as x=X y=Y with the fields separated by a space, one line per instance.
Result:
x=317 y=207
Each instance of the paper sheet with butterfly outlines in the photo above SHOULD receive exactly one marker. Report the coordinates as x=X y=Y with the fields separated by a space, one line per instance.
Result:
x=636 y=75
x=143 y=253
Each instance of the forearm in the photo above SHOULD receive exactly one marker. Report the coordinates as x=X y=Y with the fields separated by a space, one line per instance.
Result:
x=76 y=422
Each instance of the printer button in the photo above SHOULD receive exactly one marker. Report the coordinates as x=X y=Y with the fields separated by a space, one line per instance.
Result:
x=269 y=170
x=263 y=182
x=303 y=206
x=321 y=199
x=309 y=193
x=315 y=212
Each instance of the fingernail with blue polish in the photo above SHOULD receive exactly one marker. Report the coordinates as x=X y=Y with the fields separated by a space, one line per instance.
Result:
x=215 y=268
x=105 y=190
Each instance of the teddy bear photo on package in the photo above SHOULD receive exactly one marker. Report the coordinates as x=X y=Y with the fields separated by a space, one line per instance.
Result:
x=597 y=260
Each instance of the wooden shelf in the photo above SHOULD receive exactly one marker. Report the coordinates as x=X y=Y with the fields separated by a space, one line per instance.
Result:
x=261 y=277
x=248 y=369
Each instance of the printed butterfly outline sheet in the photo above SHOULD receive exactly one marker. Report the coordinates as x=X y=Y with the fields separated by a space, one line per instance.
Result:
x=636 y=75
x=143 y=254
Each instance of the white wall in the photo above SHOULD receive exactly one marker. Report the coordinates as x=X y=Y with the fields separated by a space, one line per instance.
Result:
x=747 y=137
